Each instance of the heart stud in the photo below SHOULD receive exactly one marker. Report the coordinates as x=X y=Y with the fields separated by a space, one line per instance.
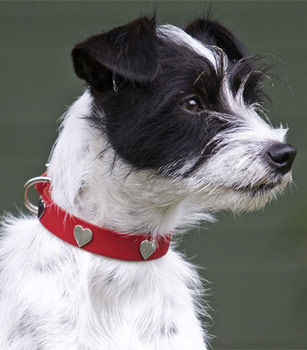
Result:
x=147 y=248
x=82 y=235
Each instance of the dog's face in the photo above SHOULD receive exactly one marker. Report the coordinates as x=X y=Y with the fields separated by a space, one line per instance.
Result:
x=185 y=105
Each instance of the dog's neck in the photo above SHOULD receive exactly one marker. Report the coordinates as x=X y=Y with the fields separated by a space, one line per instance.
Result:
x=85 y=184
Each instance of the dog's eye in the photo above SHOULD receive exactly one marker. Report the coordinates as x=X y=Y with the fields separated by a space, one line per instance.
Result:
x=192 y=105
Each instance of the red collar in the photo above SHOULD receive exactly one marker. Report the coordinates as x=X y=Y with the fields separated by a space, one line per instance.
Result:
x=95 y=239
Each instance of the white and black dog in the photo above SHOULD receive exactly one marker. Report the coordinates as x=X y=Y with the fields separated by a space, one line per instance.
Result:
x=168 y=131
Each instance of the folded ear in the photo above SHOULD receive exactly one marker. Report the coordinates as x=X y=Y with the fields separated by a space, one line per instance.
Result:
x=213 y=33
x=129 y=51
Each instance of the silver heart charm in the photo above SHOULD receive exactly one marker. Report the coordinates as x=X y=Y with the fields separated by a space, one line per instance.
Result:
x=147 y=248
x=82 y=236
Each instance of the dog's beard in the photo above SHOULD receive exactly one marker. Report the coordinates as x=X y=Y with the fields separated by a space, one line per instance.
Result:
x=238 y=179
x=249 y=196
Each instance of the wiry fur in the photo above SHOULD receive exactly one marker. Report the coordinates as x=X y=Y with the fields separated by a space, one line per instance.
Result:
x=130 y=159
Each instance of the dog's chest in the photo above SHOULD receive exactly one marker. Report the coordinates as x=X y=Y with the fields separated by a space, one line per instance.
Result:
x=75 y=300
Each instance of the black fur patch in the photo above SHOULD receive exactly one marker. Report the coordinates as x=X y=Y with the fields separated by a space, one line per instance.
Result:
x=145 y=123
x=41 y=208
x=129 y=50
x=143 y=118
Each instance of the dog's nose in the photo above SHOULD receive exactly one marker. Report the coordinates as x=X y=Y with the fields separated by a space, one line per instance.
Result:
x=281 y=157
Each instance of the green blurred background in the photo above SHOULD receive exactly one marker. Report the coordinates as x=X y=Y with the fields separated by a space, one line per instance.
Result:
x=256 y=263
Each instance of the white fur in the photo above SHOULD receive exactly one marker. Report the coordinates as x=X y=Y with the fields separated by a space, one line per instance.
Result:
x=55 y=296
x=77 y=300
x=179 y=36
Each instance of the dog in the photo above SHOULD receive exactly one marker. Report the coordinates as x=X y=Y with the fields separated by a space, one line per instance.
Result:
x=168 y=131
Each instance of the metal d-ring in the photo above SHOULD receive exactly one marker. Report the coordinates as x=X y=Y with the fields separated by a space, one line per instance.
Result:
x=33 y=208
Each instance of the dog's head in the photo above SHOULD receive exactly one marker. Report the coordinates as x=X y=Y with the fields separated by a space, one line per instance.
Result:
x=185 y=105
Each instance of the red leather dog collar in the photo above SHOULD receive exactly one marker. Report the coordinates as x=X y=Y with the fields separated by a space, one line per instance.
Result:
x=95 y=239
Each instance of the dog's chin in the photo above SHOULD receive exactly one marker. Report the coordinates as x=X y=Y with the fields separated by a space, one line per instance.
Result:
x=255 y=197
x=239 y=198
x=255 y=190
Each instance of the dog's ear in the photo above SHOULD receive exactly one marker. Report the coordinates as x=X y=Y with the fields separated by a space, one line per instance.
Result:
x=129 y=51
x=211 y=32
